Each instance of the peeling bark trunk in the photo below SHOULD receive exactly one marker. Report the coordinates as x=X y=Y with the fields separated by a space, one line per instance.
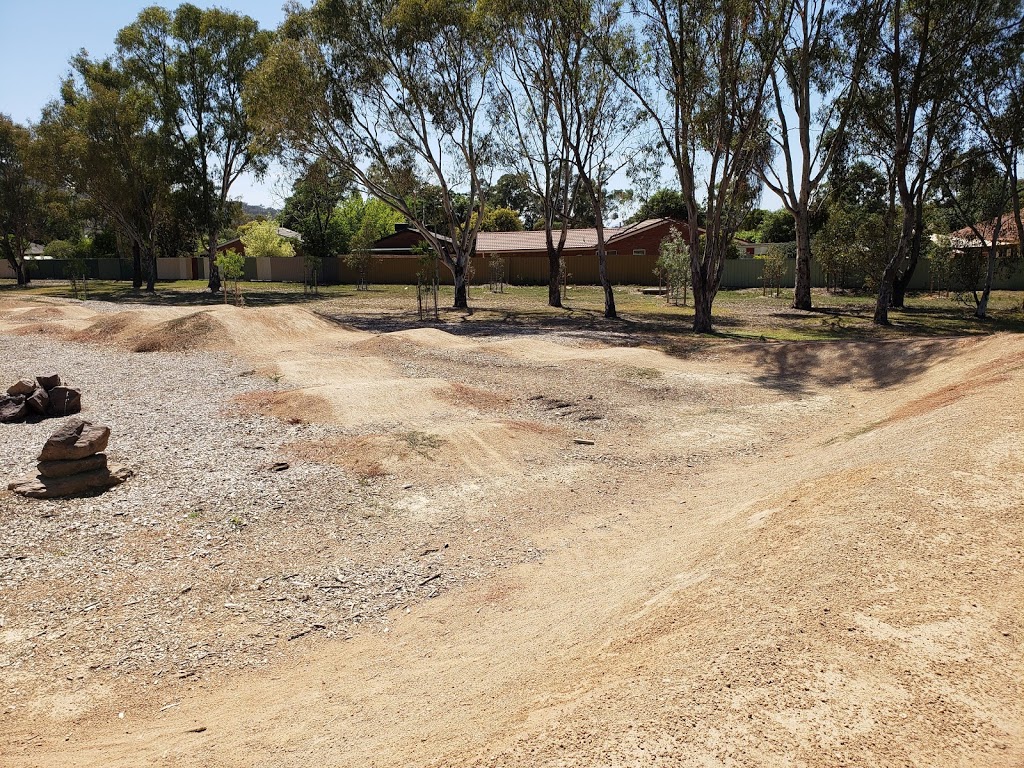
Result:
x=554 y=269
x=702 y=301
x=981 y=312
x=802 y=286
x=461 y=295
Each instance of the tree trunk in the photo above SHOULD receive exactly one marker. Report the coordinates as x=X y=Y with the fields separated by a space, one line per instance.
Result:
x=982 y=309
x=214 y=282
x=802 y=287
x=461 y=294
x=609 y=296
x=884 y=299
x=554 y=269
x=701 y=308
x=136 y=266
x=151 y=272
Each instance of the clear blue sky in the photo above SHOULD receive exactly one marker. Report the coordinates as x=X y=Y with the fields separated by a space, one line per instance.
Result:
x=38 y=37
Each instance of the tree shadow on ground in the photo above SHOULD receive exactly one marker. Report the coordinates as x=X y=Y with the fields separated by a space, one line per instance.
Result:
x=801 y=367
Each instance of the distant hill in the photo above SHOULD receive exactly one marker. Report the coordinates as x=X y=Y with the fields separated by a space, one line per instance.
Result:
x=259 y=210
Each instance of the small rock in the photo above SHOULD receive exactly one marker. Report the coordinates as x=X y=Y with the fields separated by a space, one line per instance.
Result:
x=22 y=387
x=64 y=401
x=76 y=439
x=582 y=441
x=73 y=466
x=12 y=409
x=38 y=401
x=48 y=381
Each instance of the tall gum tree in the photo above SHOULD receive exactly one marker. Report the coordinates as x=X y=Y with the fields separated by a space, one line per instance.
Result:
x=825 y=49
x=20 y=198
x=104 y=142
x=907 y=101
x=534 y=141
x=195 y=61
x=391 y=93
x=701 y=70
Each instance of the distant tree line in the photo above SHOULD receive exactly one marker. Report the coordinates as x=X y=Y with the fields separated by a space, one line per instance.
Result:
x=877 y=123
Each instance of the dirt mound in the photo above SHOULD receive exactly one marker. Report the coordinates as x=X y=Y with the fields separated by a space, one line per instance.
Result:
x=199 y=330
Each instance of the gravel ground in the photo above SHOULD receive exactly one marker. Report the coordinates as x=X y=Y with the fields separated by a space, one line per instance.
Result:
x=207 y=558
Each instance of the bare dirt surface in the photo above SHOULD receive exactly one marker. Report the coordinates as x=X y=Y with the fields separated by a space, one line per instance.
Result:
x=513 y=549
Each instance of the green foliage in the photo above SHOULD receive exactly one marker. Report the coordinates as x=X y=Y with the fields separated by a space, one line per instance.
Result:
x=310 y=211
x=261 y=239
x=773 y=269
x=62 y=250
x=193 y=62
x=231 y=265
x=512 y=190
x=673 y=265
x=21 y=205
x=665 y=203
x=853 y=246
x=499 y=220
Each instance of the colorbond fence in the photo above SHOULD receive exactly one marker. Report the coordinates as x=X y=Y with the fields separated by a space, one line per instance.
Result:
x=518 y=270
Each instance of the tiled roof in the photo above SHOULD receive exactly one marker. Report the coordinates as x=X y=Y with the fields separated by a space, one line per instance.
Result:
x=535 y=240
x=1007 y=231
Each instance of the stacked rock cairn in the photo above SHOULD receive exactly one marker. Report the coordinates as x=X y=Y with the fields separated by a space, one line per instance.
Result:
x=72 y=463
x=45 y=396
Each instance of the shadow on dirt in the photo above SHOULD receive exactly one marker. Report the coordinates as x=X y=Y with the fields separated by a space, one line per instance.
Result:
x=803 y=366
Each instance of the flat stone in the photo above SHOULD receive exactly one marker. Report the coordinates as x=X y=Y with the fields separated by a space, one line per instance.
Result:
x=22 y=387
x=76 y=439
x=38 y=401
x=48 y=381
x=73 y=466
x=12 y=409
x=64 y=401
x=40 y=487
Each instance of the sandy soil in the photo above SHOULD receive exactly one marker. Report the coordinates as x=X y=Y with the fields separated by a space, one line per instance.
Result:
x=795 y=554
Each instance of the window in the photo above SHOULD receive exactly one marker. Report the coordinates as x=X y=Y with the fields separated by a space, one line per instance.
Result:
x=639 y=251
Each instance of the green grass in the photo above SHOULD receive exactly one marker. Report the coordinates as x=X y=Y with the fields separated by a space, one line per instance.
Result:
x=742 y=315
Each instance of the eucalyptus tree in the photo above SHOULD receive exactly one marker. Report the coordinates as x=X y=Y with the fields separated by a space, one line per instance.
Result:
x=20 y=196
x=194 y=62
x=534 y=141
x=825 y=49
x=593 y=127
x=981 y=178
x=104 y=140
x=394 y=95
x=907 y=102
x=700 y=70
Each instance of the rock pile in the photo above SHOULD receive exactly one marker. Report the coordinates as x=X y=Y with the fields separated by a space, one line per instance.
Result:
x=46 y=396
x=72 y=463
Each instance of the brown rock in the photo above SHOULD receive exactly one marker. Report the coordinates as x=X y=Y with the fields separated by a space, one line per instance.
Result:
x=40 y=487
x=23 y=387
x=38 y=401
x=72 y=467
x=12 y=409
x=64 y=401
x=48 y=381
x=76 y=439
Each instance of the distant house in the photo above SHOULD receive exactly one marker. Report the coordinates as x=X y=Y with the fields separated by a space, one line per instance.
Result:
x=239 y=247
x=1007 y=243
x=640 y=239
x=34 y=252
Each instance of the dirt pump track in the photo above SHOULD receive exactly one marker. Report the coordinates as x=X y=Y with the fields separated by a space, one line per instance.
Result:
x=785 y=554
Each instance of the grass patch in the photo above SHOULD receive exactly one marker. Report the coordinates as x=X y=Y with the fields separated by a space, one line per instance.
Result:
x=744 y=315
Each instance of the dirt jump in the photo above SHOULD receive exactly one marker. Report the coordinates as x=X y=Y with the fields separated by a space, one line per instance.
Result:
x=423 y=547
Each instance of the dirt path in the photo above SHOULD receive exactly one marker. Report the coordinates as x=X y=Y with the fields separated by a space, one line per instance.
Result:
x=799 y=554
